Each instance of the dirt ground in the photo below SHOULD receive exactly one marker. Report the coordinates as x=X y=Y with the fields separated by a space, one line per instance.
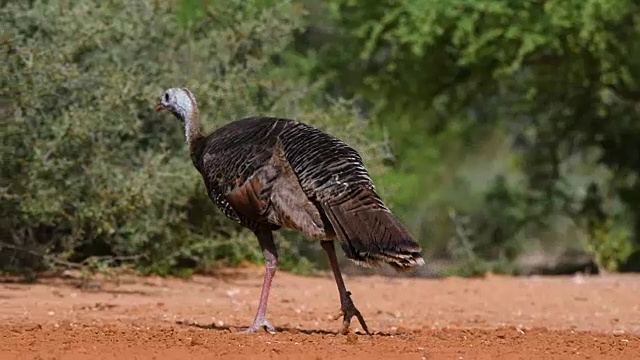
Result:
x=490 y=318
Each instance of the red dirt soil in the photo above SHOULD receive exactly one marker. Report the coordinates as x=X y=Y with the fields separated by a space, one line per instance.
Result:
x=489 y=318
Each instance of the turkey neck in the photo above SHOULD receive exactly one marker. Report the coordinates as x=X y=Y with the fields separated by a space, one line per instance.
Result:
x=192 y=125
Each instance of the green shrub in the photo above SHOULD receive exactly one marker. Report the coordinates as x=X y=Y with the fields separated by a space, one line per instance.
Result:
x=90 y=170
x=610 y=245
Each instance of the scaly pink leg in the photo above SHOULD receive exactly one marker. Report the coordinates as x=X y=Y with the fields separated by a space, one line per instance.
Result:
x=265 y=238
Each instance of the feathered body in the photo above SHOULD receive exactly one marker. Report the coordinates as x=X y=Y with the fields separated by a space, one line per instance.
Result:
x=268 y=173
x=273 y=173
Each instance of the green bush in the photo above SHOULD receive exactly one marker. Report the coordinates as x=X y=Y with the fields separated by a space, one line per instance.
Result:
x=90 y=170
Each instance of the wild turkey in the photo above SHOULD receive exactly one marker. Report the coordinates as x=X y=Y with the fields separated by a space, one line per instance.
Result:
x=269 y=173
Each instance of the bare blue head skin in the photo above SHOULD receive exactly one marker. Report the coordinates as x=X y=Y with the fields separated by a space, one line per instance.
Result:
x=181 y=103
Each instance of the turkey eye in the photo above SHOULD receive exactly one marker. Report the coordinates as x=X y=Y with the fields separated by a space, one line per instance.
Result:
x=166 y=97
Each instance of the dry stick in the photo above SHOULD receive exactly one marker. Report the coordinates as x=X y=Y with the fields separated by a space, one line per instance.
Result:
x=68 y=264
x=462 y=235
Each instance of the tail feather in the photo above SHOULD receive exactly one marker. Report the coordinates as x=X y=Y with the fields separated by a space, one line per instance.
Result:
x=370 y=234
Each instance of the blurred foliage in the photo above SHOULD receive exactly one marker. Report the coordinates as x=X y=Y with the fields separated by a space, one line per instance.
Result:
x=506 y=111
x=498 y=128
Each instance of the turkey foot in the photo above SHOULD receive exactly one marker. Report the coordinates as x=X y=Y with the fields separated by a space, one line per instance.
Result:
x=265 y=238
x=348 y=311
x=257 y=324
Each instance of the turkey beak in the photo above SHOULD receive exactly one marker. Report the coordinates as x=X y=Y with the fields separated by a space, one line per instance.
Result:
x=160 y=107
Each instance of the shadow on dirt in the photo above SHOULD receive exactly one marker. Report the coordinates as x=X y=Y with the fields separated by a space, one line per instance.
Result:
x=279 y=329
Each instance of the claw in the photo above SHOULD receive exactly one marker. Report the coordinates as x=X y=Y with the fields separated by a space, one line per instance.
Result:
x=257 y=325
x=362 y=322
x=348 y=311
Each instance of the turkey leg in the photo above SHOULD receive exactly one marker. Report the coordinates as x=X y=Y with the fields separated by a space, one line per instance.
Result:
x=265 y=238
x=347 y=309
